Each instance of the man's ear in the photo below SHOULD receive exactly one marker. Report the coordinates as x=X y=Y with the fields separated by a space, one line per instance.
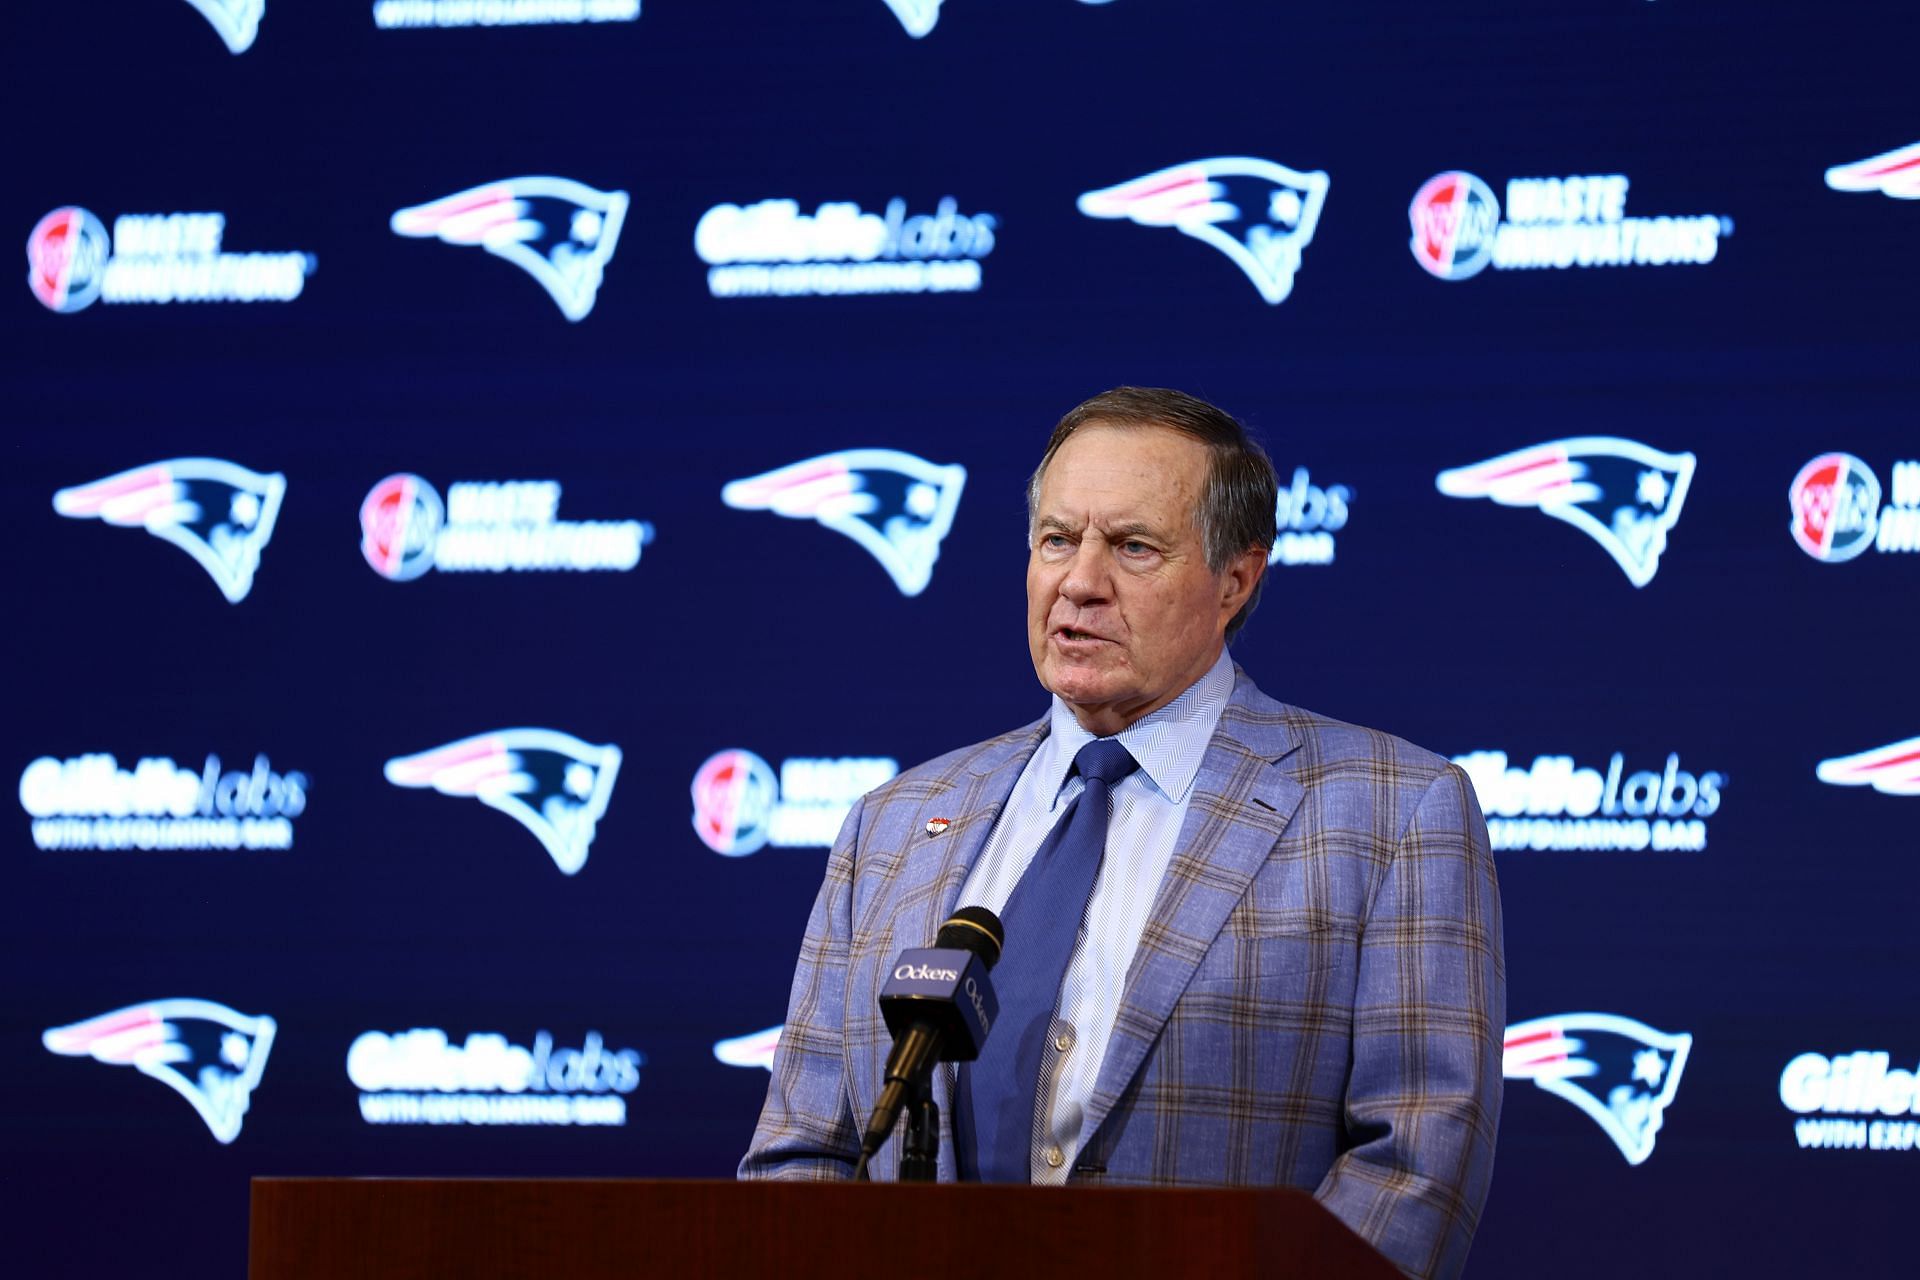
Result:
x=1242 y=575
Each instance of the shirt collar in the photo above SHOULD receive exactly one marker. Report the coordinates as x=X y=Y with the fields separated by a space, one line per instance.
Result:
x=1168 y=743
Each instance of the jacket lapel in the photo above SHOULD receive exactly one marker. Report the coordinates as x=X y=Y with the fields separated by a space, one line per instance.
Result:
x=1242 y=800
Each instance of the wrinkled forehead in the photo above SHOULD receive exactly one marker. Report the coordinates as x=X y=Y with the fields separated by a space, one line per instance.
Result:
x=1141 y=464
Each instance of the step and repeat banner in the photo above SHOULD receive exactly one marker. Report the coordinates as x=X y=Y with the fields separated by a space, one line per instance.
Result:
x=490 y=482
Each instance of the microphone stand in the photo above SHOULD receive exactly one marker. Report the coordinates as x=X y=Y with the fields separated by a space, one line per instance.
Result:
x=920 y=1158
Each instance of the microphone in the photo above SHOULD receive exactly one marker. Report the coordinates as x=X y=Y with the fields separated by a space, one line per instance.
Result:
x=939 y=1006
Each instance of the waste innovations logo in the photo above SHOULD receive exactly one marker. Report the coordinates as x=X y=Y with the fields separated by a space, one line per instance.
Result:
x=1892 y=770
x=755 y=1049
x=558 y=231
x=1620 y=1072
x=1893 y=173
x=551 y=783
x=1559 y=805
x=422 y=1077
x=1852 y=1102
x=205 y=1052
x=492 y=526
x=152 y=258
x=1306 y=517
x=897 y=506
x=236 y=21
x=1260 y=214
x=741 y=806
x=1557 y=223
x=772 y=249
x=1622 y=494
x=397 y=15
x=90 y=802
x=1835 y=500
x=219 y=513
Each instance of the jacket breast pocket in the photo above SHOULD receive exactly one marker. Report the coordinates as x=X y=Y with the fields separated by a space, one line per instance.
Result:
x=1288 y=956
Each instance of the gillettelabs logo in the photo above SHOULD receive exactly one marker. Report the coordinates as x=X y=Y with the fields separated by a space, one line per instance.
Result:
x=1849 y=1085
x=740 y=805
x=1892 y=770
x=1306 y=517
x=1557 y=805
x=1578 y=221
x=551 y=783
x=421 y=1077
x=90 y=802
x=897 y=506
x=153 y=258
x=560 y=232
x=1621 y=1073
x=1894 y=173
x=219 y=513
x=205 y=1052
x=237 y=21
x=1835 y=500
x=772 y=249
x=1622 y=494
x=393 y=15
x=1260 y=214
x=488 y=527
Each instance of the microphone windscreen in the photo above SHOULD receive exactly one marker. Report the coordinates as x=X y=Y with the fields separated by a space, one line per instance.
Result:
x=974 y=929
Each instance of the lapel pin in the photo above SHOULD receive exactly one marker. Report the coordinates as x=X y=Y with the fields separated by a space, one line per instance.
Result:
x=938 y=826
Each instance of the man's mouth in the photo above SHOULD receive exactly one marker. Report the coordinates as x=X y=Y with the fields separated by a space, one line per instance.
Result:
x=1069 y=633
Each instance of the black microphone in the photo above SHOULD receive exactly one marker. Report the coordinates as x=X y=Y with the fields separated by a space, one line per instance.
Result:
x=939 y=1006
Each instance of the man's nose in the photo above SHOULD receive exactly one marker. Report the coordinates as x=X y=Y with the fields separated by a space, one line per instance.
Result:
x=1089 y=576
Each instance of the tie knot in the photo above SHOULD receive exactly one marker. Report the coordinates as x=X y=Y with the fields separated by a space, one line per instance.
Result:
x=1106 y=760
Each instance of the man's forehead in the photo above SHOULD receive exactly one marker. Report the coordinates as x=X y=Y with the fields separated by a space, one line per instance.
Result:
x=1146 y=459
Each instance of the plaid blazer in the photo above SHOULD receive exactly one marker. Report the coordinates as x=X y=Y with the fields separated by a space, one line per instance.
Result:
x=1318 y=999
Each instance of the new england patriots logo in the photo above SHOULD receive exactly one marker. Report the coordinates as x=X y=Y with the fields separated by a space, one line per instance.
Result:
x=1623 y=495
x=917 y=16
x=1892 y=770
x=203 y=1051
x=558 y=231
x=1895 y=173
x=551 y=783
x=1622 y=1073
x=753 y=1050
x=895 y=505
x=237 y=21
x=1258 y=213
x=220 y=514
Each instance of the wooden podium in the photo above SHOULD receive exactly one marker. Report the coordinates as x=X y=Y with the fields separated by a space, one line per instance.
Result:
x=474 y=1229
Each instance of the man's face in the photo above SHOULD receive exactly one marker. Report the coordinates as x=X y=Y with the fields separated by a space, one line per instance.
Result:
x=1122 y=612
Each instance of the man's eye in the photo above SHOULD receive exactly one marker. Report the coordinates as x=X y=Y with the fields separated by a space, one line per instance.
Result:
x=1133 y=548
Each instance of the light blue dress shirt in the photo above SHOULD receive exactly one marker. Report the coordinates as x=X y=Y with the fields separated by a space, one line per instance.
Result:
x=1149 y=806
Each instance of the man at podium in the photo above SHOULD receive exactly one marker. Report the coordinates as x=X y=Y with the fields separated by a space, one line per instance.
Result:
x=1245 y=944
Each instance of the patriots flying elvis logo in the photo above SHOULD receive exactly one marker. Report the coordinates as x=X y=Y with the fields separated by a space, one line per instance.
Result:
x=1623 y=495
x=220 y=514
x=558 y=231
x=1622 y=1073
x=1895 y=173
x=897 y=506
x=1260 y=214
x=1892 y=770
x=752 y=1050
x=203 y=1051
x=236 y=21
x=551 y=783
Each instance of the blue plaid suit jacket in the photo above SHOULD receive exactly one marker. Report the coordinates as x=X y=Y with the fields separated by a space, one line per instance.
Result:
x=1318 y=999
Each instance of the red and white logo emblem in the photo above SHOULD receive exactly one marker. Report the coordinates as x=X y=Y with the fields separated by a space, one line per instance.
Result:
x=67 y=259
x=1836 y=505
x=1455 y=217
x=1893 y=770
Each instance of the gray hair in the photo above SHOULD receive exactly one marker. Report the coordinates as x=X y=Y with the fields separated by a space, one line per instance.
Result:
x=1235 y=513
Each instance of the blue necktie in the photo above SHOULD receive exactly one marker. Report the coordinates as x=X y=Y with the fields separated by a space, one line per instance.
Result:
x=997 y=1095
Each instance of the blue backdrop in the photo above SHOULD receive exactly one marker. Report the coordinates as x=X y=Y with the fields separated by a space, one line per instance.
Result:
x=381 y=370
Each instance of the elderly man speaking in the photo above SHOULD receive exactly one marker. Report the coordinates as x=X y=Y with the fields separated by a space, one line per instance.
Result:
x=1245 y=944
